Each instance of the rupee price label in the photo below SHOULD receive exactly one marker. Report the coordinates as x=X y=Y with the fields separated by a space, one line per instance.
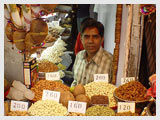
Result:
x=126 y=107
x=53 y=76
x=101 y=78
x=127 y=79
x=18 y=106
x=78 y=107
x=51 y=95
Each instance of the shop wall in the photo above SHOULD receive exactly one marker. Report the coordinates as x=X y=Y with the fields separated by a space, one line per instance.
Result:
x=13 y=62
x=107 y=15
x=122 y=46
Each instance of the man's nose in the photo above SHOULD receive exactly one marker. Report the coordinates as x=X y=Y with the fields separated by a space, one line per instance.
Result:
x=90 y=39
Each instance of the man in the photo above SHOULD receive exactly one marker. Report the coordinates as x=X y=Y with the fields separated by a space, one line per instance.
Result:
x=93 y=59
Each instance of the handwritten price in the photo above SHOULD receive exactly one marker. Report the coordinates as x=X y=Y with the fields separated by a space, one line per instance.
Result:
x=78 y=107
x=101 y=77
x=127 y=79
x=125 y=107
x=18 y=105
x=51 y=95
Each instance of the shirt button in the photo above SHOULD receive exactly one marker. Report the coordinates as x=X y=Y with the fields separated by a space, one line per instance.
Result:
x=84 y=77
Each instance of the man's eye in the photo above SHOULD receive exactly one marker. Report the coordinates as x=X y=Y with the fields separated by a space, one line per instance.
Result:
x=86 y=36
x=95 y=36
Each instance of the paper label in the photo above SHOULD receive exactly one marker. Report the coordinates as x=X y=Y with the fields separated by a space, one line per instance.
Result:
x=18 y=106
x=126 y=107
x=53 y=76
x=51 y=95
x=127 y=79
x=78 y=107
x=101 y=78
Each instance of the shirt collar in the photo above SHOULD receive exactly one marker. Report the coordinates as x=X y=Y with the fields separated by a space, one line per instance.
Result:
x=97 y=58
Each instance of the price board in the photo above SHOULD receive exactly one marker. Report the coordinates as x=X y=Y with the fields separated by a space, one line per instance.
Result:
x=51 y=95
x=52 y=76
x=127 y=79
x=101 y=78
x=18 y=106
x=76 y=106
x=126 y=107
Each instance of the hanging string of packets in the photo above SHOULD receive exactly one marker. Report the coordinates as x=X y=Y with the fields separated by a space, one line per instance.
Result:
x=148 y=10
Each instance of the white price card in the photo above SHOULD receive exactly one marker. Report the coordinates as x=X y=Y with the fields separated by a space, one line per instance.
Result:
x=101 y=78
x=127 y=79
x=78 y=107
x=126 y=107
x=53 y=76
x=51 y=95
x=18 y=106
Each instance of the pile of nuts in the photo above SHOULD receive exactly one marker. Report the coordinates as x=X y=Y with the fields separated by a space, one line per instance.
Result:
x=98 y=110
x=47 y=108
x=75 y=114
x=46 y=85
x=127 y=114
x=47 y=66
x=99 y=99
x=131 y=91
x=18 y=113
x=101 y=88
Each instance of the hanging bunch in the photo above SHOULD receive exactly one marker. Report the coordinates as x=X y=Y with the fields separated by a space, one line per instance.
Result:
x=25 y=27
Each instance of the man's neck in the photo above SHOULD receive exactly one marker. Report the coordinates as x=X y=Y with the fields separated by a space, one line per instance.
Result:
x=90 y=56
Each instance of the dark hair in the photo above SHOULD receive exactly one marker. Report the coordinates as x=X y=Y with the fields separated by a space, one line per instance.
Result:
x=91 y=23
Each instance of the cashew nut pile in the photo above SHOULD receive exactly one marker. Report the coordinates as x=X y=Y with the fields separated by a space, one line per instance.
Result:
x=47 y=108
x=101 y=88
x=46 y=85
x=18 y=113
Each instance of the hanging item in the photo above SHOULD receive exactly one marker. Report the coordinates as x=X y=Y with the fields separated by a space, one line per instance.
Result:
x=148 y=9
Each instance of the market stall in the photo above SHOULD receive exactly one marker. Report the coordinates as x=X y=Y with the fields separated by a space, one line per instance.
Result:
x=41 y=35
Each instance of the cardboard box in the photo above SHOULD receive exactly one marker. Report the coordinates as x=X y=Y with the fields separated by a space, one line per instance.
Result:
x=30 y=72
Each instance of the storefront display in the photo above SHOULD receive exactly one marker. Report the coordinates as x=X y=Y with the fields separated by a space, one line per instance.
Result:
x=46 y=32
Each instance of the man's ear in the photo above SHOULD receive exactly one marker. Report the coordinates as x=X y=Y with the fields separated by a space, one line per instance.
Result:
x=102 y=40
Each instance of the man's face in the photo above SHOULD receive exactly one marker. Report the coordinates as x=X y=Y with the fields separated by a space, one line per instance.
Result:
x=91 y=40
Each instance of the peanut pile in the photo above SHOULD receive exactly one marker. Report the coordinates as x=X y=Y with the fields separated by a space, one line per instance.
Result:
x=47 y=66
x=46 y=85
x=101 y=88
x=127 y=114
x=18 y=113
x=47 y=108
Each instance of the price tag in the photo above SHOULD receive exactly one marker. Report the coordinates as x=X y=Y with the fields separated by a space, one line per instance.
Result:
x=101 y=78
x=127 y=79
x=78 y=107
x=51 y=95
x=126 y=107
x=18 y=106
x=53 y=76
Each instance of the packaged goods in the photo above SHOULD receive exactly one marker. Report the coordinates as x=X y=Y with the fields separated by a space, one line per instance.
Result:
x=18 y=113
x=38 y=31
x=79 y=89
x=99 y=99
x=132 y=91
x=9 y=31
x=99 y=111
x=127 y=114
x=101 y=88
x=47 y=108
x=18 y=39
x=46 y=85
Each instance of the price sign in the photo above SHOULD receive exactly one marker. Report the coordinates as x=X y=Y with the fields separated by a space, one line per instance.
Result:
x=126 y=107
x=51 y=95
x=78 y=107
x=53 y=76
x=127 y=79
x=101 y=78
x=18 y=106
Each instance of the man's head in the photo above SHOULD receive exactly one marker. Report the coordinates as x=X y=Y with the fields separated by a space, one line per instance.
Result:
x=92 y=35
